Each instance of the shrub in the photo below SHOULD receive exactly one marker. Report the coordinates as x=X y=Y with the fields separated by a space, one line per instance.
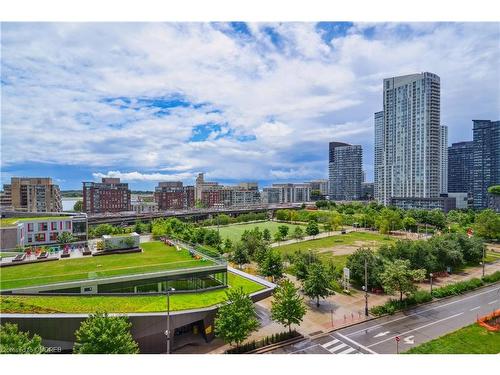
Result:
x=457 y=288
x=493 y=278
x=268 y=340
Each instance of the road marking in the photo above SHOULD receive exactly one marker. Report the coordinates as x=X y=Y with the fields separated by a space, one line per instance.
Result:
x=355 y=343
x=337 y=348
x=409 y=340
x=330 y=343
x=420 y=312
x=475 y=308
x=382 y=334
x=416 y=329
x=492 y=302
x=347 y=351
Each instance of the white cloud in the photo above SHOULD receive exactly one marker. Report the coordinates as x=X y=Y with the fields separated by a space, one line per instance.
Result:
x=294 y=98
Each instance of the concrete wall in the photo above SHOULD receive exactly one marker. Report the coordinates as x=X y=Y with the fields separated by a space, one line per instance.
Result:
x=8 y=238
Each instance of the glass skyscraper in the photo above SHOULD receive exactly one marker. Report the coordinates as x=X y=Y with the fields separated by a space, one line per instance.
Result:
x=410 y=139
x=486 y=139
x=345 y=171
x=461 y=167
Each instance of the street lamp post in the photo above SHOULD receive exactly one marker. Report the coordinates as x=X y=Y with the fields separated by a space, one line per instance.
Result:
x=483 y=262
x=167 y=332
x=366 y=287
x=430 y=276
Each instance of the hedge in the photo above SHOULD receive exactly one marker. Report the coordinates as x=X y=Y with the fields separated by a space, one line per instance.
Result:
x=394 y=305
x=268 y=340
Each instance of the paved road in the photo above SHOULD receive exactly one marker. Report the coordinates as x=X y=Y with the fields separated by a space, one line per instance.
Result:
x=413 y=327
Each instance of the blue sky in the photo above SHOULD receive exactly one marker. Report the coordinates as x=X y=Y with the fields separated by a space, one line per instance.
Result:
x=240 y=101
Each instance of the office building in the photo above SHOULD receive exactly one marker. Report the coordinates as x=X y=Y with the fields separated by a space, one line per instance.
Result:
x=32 y=194
x=242 y=195
x=173 y=195
x=441 y=203
x=462 y=200
x=109 y=195
x=345 y=171
x=461 y=167
x=443 y=179
x=408 y=142
x=486 y=139
x=320 y=185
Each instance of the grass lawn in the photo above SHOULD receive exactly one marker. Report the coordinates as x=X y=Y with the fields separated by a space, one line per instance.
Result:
x=155 y=257
x=472 y=339
x=10 y=221
x=113 y=304
x=337 y=240
x=234 y=231
x=492 y=256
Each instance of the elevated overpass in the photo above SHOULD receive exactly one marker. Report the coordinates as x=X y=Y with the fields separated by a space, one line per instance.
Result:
x=129 y=218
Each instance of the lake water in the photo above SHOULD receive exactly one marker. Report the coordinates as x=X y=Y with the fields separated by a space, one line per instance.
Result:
x=68 y=203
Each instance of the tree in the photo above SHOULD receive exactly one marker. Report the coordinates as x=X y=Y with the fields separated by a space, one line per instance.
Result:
x=78 y=206
x=283 y=215
x=266 y=235
x=388 y=220
x=327 y=227
x=335 y=220
x=317 y=284
x=65 y=238
x=283 y=229
x=13 y=341
x=227 y=245
x=288 y=306
x=356 y=265
x=236 y=319
x=298 y=233
x=409 y=223
x=312 y=228
x=487 y=225
x=240 y=254
x=301 y=262
x=272 y=265
x=399 y=277
x=278 y=237
x=103 y=334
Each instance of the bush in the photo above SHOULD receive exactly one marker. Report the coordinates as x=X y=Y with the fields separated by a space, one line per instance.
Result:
x=268 y=340
x=493 y=278
x=457 y=288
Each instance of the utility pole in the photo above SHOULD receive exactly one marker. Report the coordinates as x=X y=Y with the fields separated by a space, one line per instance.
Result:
x=430 y=276
x=484 y=247
x=167 y=332
x=366 y=287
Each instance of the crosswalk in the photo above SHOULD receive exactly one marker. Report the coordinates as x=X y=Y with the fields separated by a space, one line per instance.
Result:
x=336 y=346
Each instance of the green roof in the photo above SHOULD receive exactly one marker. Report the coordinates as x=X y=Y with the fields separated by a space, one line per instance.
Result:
x=10 y=221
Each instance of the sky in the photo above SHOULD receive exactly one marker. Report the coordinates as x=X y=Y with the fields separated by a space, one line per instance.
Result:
x=151 y=102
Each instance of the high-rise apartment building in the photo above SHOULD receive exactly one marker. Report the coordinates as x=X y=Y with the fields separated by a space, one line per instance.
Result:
x=202 y=185
x=443 y=178
x=173 y=195
x=378 y=170
x=286 y=193
x=345 y=171
x=486 y=139
x=32 y=194
x=461 y=167
x=320 y=185
x=408 y=167
x=109 y=195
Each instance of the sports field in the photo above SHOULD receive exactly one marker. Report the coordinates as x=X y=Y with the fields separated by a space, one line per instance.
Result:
x=156 y=256
x=126 y=304
x=339 y=245
x=234 y=231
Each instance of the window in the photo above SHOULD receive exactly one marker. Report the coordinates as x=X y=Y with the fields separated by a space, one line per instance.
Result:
x=53 y=225
x=30 y=227
x=40 y=237
x=30 y=238
x=53 y=236
x=42 y=227
x=68 y=224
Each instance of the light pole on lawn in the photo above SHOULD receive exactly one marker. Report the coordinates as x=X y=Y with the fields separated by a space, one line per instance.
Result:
x=167 y=332
x=430 y=277
x=483 y=261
